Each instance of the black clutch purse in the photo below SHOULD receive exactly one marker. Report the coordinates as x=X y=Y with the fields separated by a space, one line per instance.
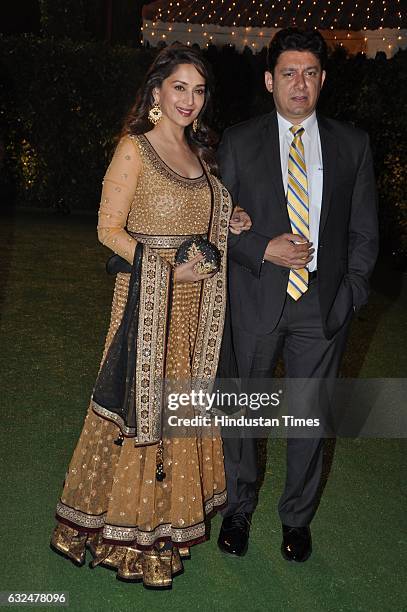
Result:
x=186 y=251
x=198 y=245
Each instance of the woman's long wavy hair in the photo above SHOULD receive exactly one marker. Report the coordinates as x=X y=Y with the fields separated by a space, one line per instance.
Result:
x=203 y=141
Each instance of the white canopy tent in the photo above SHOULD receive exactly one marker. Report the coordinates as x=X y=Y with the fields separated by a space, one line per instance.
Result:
x=366 y=26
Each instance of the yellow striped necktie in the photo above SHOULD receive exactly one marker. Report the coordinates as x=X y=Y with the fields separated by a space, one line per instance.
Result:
x=298 y=206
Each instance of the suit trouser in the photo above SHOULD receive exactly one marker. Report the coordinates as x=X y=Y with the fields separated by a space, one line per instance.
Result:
x=307 y=354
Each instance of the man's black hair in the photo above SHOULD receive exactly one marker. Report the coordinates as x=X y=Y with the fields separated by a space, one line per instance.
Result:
x=294 y=39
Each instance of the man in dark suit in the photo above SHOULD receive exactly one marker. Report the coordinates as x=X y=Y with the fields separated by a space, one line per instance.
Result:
x=297 y=276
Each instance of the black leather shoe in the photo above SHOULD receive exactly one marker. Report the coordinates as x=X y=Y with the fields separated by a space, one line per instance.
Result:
x=296 y=545
x=234 y=534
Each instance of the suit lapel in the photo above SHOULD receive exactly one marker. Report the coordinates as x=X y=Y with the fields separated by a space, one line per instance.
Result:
x=271 y=149
x=271 y=152
x=329 y=156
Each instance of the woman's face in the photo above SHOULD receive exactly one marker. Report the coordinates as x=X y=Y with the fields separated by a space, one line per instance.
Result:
x=181 y=95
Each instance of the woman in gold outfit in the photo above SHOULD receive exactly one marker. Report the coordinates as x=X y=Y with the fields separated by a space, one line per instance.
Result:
x=136 y=498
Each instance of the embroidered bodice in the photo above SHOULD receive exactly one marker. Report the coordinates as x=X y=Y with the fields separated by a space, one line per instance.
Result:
x=143 y=195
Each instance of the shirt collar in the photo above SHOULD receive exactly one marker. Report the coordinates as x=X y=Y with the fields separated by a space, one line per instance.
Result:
x=309 y=124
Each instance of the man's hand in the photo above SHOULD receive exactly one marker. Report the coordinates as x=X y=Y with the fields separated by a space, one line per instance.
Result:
x=289 y=251
x=239 y=221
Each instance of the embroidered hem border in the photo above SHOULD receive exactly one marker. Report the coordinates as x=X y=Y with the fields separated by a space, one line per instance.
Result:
x=130 y=534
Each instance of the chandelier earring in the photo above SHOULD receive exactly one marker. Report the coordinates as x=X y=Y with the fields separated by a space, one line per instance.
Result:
x=155 y=113
x=195 y=125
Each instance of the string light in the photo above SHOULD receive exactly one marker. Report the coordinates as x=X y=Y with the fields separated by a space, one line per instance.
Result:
x=252 y=23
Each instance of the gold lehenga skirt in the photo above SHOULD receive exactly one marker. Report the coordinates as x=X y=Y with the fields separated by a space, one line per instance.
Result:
x=111 y=501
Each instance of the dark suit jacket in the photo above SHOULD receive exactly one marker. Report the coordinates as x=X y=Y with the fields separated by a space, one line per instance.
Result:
x=249 y=157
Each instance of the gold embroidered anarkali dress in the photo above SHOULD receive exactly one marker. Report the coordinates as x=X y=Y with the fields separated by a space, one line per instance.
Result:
x=112 y=502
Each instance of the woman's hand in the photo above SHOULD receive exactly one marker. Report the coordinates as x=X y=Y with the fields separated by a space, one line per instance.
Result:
x=186 y=273
x=239 y=221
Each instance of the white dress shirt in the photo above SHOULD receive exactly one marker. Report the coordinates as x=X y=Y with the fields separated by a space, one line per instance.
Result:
x=313 y=162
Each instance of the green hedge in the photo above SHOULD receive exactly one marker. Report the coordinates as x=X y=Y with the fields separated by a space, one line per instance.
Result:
x=62 y=104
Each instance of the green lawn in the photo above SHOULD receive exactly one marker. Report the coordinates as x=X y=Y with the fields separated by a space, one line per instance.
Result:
x=54 y=308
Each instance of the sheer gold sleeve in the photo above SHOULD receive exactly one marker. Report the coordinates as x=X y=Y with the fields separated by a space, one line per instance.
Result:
x=119 y=186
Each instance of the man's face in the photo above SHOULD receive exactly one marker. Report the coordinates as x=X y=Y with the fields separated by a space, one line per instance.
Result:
x=296 y=84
